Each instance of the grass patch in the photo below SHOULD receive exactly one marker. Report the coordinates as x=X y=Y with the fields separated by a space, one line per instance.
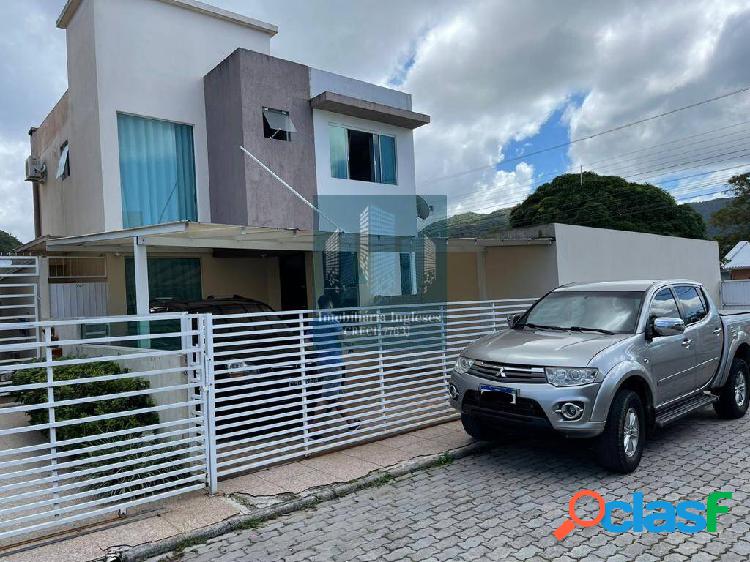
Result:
x=444 y=460
x=382 y=480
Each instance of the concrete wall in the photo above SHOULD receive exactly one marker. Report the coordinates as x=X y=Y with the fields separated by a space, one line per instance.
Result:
x=520 y=271
x=462 y=281
x=597 y=254
x=57 y=214
x=146 y=58
x=321 y=81
x=241 y=191
x=255 y=278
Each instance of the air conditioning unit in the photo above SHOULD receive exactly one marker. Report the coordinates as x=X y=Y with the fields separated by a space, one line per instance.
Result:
x=36 y=170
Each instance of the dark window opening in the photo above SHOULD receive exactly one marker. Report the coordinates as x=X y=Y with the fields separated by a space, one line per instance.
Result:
x=63 y=165
x=361 y=161
x=277 y=124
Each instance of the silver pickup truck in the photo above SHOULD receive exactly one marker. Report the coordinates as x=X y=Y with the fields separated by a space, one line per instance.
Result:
x=608 y=360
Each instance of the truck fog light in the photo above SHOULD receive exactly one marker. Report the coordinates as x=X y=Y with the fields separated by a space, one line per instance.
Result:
x=453 y=391
x=570 y=411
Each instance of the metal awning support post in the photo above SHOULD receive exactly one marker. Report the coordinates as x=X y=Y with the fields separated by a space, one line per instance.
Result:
x=140 y=259
x=142 y=299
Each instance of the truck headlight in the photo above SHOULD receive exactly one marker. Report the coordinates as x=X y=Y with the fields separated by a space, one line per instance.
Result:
x=463 y=364
x=570 y=376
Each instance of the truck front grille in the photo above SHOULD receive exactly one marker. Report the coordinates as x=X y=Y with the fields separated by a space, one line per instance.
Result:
x=497 y=404
x=504 y=372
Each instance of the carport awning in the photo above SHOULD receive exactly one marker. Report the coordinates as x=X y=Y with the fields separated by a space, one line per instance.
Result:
x=188 y=235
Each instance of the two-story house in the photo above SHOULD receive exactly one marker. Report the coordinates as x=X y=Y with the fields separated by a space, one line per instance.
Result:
x=141 y=189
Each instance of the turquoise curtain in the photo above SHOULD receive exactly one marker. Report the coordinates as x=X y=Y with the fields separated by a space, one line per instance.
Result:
x=157 y=171
x=387 y=159
x=339 y=142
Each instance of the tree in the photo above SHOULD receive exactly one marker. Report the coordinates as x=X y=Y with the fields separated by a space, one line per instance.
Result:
x=8 y=242
x=733 y=221
x=608 y=202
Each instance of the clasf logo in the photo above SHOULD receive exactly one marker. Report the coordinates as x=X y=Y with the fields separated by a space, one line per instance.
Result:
x=655 y=516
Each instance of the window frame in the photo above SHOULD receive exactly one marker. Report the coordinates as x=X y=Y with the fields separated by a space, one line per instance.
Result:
x=701 y=298
x=653 y=298
x=375 y=133
x=193 y=151
x=63 y=174
x=287 y=134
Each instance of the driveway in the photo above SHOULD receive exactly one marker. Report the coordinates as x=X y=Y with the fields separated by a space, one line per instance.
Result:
x=504 y=505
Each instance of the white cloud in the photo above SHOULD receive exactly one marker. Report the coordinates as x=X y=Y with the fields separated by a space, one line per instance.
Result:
x=487 y=72
x=17 y=209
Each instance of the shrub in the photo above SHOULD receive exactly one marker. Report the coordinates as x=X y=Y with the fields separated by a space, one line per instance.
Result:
x=127 y=452
x=86 y=390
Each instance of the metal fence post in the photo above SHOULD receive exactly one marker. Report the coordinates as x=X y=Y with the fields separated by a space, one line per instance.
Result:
x=303 y=374
x=51 y=407
x=206 y=328
x=381 y=372
x=444 y=342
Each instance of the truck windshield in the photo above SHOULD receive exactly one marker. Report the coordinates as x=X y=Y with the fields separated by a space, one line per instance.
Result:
x=613 y=312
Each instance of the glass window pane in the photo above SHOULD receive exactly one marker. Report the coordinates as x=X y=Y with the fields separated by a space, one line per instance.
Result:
x=664 y=305
x=387 y=159
x=157 y=171
x=279 y=120
x=692 y=304
x=339 y=158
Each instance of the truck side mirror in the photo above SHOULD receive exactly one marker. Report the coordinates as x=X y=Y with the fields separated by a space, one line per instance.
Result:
x=514 y=319
x=664 y=327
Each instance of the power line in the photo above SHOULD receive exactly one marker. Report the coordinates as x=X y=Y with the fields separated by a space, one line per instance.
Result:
x=595 y=135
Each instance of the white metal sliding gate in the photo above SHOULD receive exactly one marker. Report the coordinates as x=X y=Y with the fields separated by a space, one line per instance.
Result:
x=115 y=422
x=155 y=406
x=19 y=306
x=292 y=384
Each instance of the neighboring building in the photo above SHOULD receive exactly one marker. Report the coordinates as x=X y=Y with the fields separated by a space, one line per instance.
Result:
x=530 y=262
x=737 y=261
x=145 y=176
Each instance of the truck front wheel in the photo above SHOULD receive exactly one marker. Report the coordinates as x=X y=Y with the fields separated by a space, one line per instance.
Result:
x=733 y=397
x=476 y=428
x=620 y=447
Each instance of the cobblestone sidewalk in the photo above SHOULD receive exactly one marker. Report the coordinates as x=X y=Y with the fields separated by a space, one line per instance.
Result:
x=504 y=505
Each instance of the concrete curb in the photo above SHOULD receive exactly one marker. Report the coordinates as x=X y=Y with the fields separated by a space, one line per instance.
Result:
x=308 y=499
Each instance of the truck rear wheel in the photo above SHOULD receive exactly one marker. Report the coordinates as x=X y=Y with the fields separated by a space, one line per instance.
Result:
x=733 y=397
x=620 y=447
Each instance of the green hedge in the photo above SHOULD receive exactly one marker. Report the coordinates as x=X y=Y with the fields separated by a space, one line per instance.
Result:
x=95 y=408
x=86 y=390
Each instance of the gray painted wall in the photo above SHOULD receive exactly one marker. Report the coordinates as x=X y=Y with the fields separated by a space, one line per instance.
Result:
x=240 y=191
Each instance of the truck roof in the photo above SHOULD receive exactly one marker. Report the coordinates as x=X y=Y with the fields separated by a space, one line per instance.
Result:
x=634 y=285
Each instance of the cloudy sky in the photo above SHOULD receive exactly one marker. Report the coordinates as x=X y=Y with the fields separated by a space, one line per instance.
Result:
x=501 y=79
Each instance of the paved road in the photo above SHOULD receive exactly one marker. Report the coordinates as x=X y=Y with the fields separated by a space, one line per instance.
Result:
x=503 y=505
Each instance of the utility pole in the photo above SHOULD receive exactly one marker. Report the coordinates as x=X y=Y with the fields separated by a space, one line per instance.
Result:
x=581 y=175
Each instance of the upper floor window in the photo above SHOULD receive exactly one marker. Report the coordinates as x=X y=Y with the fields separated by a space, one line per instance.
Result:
x=63 y=164
x=362 y=156
x=157 y=171
x=277 y=124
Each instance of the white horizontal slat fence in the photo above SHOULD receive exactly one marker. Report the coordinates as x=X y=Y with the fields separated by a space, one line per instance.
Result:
x=155 y=406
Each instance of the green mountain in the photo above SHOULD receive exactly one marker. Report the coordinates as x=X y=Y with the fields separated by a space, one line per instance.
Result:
x=8 y=242
x=708 y=208
x=470 y=225
x=478 y=225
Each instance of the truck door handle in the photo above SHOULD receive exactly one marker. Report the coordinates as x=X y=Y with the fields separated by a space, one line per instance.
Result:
x=686 y=343
x=717 y=331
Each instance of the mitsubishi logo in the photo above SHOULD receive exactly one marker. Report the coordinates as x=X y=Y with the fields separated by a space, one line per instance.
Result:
x=501 y=371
